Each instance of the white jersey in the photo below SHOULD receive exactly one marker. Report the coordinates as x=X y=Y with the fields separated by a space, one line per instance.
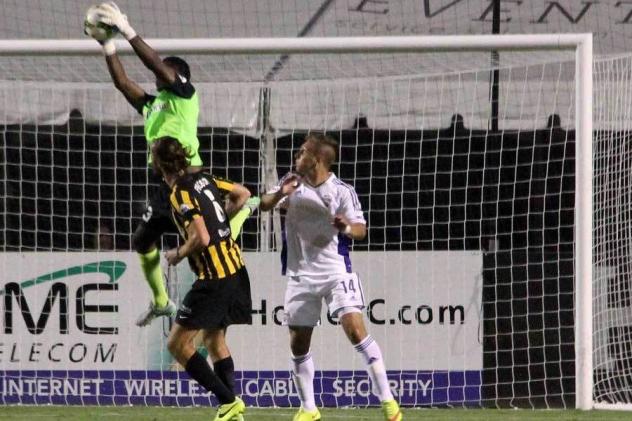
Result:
x=312 y=246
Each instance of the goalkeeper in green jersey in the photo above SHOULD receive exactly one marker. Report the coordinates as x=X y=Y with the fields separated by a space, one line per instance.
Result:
x=173 y=112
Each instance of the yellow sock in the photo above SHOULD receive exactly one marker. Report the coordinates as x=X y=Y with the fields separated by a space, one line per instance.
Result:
x=150 y=264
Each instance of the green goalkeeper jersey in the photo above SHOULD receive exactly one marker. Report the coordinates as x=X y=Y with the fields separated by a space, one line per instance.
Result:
x=174 y=113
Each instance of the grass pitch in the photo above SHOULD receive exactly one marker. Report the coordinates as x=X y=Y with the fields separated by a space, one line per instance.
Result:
x=21 y=413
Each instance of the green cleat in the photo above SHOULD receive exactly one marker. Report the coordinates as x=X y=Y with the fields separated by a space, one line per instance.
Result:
x=231 y=411
x=304 y=415
x=391 y=410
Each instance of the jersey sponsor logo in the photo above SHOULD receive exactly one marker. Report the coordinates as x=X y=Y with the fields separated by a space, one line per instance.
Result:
x=184 y=208
x=159 y=106
x=223 y=232
x=156 y=107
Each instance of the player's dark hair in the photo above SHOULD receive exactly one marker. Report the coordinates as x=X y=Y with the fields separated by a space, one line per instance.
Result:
x=326 y=146
x=169 y=156
x=181 y=66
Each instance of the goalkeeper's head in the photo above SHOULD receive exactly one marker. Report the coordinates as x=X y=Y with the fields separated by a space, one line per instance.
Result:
x=180 y=66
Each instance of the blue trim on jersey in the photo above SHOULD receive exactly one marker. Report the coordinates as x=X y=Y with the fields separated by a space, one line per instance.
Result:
x=343 y=249
x=354 y=196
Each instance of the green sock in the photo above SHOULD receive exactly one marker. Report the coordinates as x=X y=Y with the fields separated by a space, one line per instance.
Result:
x=150 y=264
x=237 y=222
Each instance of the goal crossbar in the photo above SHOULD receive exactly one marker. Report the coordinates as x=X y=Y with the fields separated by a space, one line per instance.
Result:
x=312 y=45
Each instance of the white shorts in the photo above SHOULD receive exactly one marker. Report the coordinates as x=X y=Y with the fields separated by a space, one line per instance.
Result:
x=304 y=296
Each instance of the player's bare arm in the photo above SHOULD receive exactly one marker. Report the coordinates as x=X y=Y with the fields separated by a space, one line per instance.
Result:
x=197 y=238
x=110 y=14
x=270 y=200
x=152 y=60
x=235 y=199
x=132 y=92
x=355 y=231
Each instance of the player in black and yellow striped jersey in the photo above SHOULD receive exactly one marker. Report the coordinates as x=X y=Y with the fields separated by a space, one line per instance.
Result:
x=200 y=196
x=221 y=294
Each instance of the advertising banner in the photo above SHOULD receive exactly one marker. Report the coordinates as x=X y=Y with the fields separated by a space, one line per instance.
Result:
x=68 y=332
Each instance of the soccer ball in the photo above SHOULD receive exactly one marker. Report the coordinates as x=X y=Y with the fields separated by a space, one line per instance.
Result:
x=96 y=29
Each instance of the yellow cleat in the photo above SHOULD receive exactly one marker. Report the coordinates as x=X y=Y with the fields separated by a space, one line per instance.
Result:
x=230 y=411
x=391 y=410
x=303 y=415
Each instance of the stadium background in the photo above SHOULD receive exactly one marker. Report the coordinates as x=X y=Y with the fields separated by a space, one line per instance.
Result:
x=67 y=171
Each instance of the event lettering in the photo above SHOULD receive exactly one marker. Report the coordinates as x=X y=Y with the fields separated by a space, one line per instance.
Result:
x=485 y=17
x=629 y=15
x=433 y=11
x=429 y=14
x=555 y=4
x=361 y=7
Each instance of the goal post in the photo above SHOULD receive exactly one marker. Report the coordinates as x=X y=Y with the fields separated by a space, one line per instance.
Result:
x=580 y=43
x=584 y=227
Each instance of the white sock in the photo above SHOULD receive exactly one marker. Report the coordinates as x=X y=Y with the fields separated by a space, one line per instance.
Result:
x=303 y=374
x=370 y=350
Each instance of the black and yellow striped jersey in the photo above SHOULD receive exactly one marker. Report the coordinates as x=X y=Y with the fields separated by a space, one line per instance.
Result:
x=200 y=195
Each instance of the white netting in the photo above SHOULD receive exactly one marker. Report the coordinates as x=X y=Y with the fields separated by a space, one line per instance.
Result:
x=611 y=245
x=467 y=268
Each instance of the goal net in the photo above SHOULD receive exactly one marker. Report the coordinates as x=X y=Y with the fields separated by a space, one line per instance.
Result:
x=611 y=243
x=472 y=261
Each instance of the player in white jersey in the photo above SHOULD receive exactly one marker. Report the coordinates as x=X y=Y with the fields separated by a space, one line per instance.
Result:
x=323 y=215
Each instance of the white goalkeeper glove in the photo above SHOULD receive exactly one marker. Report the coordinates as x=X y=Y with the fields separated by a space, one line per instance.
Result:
x=110 y=14
x=109 y=48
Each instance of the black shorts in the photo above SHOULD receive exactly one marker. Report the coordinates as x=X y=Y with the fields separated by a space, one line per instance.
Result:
x=159 y=206
x=218 y=303
x=156 y=219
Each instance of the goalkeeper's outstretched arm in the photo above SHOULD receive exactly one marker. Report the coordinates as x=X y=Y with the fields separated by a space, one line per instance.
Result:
x=110 y=14
x=152 y=60
x=134 y=94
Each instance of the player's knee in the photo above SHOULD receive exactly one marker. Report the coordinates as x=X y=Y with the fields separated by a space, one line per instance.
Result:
x=175 y=345
x=354 y=327
x=299 y=347
x=215 y=346
x=355 y=334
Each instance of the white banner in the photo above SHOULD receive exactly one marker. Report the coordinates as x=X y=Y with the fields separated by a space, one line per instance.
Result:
x=76 y=311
